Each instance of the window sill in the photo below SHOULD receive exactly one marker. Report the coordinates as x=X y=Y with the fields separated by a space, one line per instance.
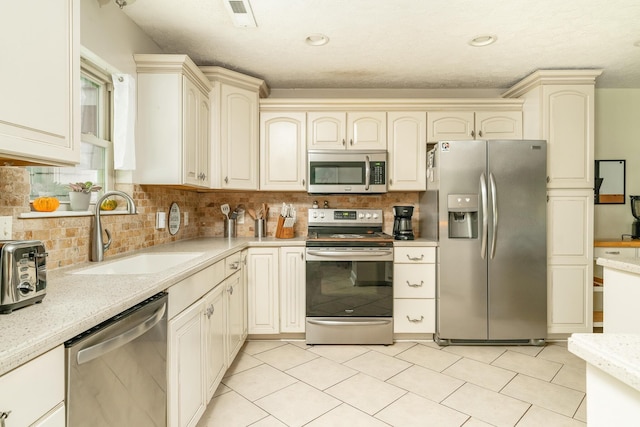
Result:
x=60 y=214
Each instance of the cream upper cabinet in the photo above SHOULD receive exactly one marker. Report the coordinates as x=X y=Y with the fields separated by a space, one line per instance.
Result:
x=235 y=128
x=40 y=107
x=407 y=160
x=347 y=130
x=462 y=125
x=172 y=143
x=283 y=151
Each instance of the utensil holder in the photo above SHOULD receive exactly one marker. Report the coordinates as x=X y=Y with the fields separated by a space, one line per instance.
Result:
x=260 y=228
x=230 y=227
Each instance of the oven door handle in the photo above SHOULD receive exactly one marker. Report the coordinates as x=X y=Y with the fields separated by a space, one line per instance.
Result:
x=348 y=323
x=350 y=254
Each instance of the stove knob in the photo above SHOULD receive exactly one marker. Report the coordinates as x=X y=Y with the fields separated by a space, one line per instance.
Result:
x=360 y=215
x=375 y=216
x=25 y=288
x=321 y=214
x=368 y=215
x=315 y=215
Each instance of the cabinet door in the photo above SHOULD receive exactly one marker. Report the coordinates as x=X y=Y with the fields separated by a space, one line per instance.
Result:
x=204 y=140
x=236 y=315
x=327 y=131
x=186 y=391
x=56 y=418
x=498 y=124
x=292 y=289
x=450 y=125
x=40 y=116
x=263 y=311
x=407 y=151
x=214 y=310
x=190 y=118
x=239 y=138
x=367 y=131
x=568 y=128
x=570 y=261
x=283 y=151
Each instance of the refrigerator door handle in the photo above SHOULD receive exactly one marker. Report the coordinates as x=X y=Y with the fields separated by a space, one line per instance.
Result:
x=485 y=217
x=494 y=212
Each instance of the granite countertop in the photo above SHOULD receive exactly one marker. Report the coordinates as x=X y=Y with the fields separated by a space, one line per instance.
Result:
x=630 y=265
x=76 y=302
x=616 y=354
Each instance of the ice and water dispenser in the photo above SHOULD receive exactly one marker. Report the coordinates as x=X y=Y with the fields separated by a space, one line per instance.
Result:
x=463 y=216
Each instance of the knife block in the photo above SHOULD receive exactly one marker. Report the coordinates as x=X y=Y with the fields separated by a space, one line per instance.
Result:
x=283 y=232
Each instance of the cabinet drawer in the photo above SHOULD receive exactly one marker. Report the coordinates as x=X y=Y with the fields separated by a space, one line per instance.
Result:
x=231 y=264
x=414 y=316
x=414 y=281
x=33 y=389
x=191 y=289
x=415 y=255
x=614 y=252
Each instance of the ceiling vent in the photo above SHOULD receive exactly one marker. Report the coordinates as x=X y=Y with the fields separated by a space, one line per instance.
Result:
x=240 y=12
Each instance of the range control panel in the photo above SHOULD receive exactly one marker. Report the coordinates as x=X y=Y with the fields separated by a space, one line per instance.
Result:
x=338 y=217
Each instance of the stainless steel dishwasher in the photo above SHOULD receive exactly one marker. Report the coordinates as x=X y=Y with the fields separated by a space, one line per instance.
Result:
x=116 y=371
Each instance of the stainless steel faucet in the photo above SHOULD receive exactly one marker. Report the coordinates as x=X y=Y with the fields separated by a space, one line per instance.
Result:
x=97 y=247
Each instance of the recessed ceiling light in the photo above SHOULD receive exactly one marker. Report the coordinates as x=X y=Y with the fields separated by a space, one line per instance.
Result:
x=484 y=40
x=317 y=40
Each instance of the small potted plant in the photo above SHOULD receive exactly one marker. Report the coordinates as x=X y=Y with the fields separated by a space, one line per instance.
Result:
x=80 y=194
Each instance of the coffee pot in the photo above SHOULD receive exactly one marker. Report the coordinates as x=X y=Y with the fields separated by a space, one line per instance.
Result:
x=635 y=211
x=402 y=229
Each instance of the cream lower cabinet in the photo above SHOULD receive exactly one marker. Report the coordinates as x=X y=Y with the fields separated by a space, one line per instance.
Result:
x=414 y=290
x=407 y=152
x=570 y=261
x=263 y=296
x=292 y=289
x=173 y=121
x=462 y=125
x=207 y=327
x=40 y=115
x=283 y=151
x=33 y=393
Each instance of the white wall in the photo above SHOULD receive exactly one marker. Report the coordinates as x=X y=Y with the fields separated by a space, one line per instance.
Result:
x=617 y=137
x=110 y=34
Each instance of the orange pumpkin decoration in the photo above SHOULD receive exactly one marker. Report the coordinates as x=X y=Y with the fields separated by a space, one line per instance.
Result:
x=46 y=204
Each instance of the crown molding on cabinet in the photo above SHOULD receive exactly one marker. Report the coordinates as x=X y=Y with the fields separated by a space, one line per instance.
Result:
x=552 y=77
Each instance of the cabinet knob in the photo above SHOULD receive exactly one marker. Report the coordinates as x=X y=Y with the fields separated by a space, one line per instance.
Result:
x=343 y=141
x=226 y=179
x=230 y=290
x=473 y=134
x=480 y=133
x=304 y=182
x=351 y=141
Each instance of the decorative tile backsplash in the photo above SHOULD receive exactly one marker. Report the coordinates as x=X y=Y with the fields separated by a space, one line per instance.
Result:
x=67 y=238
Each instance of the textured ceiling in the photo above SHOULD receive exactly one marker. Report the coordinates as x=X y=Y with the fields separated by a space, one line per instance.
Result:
x=402 y=43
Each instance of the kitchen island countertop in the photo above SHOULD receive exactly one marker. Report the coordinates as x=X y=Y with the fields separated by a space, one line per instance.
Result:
x=76 y=302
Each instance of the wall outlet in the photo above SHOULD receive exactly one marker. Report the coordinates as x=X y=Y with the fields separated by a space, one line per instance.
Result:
x=5 y=227
x=161 y=220
x=186 y=219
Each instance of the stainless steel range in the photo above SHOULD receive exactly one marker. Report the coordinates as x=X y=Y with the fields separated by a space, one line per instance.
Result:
x=349 y=286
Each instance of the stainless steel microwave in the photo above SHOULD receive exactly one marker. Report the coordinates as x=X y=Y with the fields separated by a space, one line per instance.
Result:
x=350 y=171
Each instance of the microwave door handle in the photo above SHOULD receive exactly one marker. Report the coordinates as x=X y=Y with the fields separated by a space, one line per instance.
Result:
x=367 y=173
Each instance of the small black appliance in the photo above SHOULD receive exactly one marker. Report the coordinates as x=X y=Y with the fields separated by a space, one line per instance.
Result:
x=402 y=229
x=635 y=211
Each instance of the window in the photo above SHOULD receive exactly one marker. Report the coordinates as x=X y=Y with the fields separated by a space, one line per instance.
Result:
x=96 y=149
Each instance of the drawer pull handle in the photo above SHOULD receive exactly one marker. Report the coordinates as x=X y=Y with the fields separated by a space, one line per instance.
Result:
x=415 y=258
x=415 y=285
x=415 y=320
x=234 y=265
x=612 y=252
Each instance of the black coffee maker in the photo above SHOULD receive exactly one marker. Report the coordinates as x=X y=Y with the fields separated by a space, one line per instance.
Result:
x=635 y=211
x=402 y=229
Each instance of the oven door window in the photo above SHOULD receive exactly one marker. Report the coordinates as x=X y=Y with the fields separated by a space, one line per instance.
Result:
x=349 y=288
x=337 y=173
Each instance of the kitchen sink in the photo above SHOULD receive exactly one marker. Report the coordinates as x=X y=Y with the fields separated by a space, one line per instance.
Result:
x=148 y=263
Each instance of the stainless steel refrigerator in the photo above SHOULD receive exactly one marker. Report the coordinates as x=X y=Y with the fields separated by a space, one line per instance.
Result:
x=486 y=204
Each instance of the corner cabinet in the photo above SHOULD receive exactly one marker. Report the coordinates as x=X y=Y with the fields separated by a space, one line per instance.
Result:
x=235 y=128
x=347 y=130
x=559 y=108
x=40 y=115
x=462 y=125
x=283 y=151
x=173 y=122
x=407 y=154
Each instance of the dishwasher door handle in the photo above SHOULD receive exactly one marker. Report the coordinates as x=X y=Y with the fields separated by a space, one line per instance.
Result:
x=90 y=353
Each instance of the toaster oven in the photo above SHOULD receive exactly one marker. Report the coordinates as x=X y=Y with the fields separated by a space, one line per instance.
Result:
x=23 y=274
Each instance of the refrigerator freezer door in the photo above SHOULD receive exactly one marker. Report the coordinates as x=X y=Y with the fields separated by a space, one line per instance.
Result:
x=462 y=291
x=517 y=275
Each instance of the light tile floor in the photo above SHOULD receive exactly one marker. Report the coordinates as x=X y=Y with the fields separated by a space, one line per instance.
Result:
x=276 y=383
